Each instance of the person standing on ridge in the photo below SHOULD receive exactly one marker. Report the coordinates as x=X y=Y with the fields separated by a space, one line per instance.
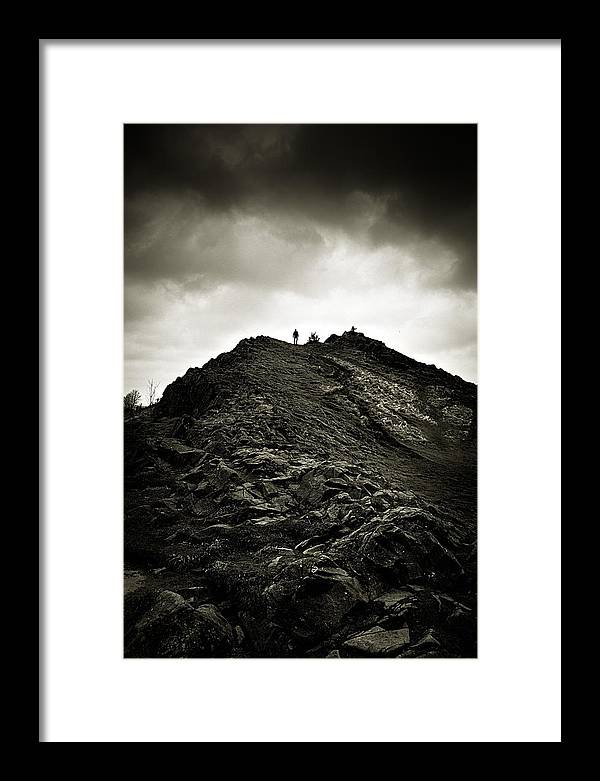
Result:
x=295 y=335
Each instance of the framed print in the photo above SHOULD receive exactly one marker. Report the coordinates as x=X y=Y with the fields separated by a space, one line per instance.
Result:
x=300 y=441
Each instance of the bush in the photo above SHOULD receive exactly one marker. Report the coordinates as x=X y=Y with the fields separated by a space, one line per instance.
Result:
x=132 y=401
x=313 y=338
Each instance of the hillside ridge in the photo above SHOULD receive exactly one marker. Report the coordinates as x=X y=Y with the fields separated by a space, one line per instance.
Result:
x=306 y=500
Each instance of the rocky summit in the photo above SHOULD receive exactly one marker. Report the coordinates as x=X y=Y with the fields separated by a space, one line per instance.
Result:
x=303 y=501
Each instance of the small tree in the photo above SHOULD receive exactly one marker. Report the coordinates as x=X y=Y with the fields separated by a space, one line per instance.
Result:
x=152 y=388
x=313 y=338
x=132 y=401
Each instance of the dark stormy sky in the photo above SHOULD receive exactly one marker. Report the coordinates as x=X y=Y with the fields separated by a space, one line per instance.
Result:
x=236 y=230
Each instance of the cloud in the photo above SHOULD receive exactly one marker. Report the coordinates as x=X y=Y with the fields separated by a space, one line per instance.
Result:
x=413 y=181
x=184 y=242
x=234 y=230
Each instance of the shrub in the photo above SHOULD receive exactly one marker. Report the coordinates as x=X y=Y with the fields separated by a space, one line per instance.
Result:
x=132 y=401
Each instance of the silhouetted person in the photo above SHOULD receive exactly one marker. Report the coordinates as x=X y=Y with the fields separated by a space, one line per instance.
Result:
x=295 y=335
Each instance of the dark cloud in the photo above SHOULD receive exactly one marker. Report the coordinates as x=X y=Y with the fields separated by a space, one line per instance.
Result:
x=234 y=230
x=423 y=176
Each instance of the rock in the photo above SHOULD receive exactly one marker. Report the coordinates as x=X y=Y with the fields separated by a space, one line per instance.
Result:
x=333 y=471
x=338 y=483
x=378 y=642
x=263 y=461
x=266 y=637
x=268 y=489
x=421 y=611
x=194 y=476
x=461 y=618
x=311 y=489
x=426 y=642
x=312 y=598
x=173 y=628
x=244 y=493
x=195 y=593
x=239 y=635
x=335 y=654
x=183 y=426
x=174 y=451
x=167 y=602
x=401 y=541
x=390 y=598
x=226 y=476
x=382 y=500
x=134 y=580
x=214 y=631
x=310 y=542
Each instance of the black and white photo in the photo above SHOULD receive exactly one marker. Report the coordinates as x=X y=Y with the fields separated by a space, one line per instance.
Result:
x=300 y=393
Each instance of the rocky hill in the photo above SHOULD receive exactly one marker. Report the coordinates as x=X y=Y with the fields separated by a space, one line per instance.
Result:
x=316 y=500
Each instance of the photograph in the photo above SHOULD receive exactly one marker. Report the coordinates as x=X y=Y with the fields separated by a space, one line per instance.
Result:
x=300 y=391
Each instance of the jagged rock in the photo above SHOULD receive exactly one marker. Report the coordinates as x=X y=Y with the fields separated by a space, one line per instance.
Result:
x=382 y=500
x=400 y=541
x=263 y=462
x=195 y=475
x=311 y=596
x=426 y=642
x=239 y=635
x=172 y=627
x=182 y=426
x=174 y=451
x=201 y=488
x=460 y=618
x=420 y=611
x=267 y=638
x=225 y=476
x=244 y=493
x=378 y=642
x=267 y=489
x=311 y=489
x=391 y=598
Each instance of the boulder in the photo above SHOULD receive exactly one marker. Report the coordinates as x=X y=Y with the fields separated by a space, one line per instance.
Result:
x=400 y=542
x=378 y=642
x=382 y=500
x=311 y=490
x=334 y=472
x=244 y=494
x=312 y=597
x=426 y=642
x=420 y=612
x=195 y=475
x=460 y=619
x=225 y=476
x=263 y=461
x=175 y=452
x=391 y=598
x=173 y=628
